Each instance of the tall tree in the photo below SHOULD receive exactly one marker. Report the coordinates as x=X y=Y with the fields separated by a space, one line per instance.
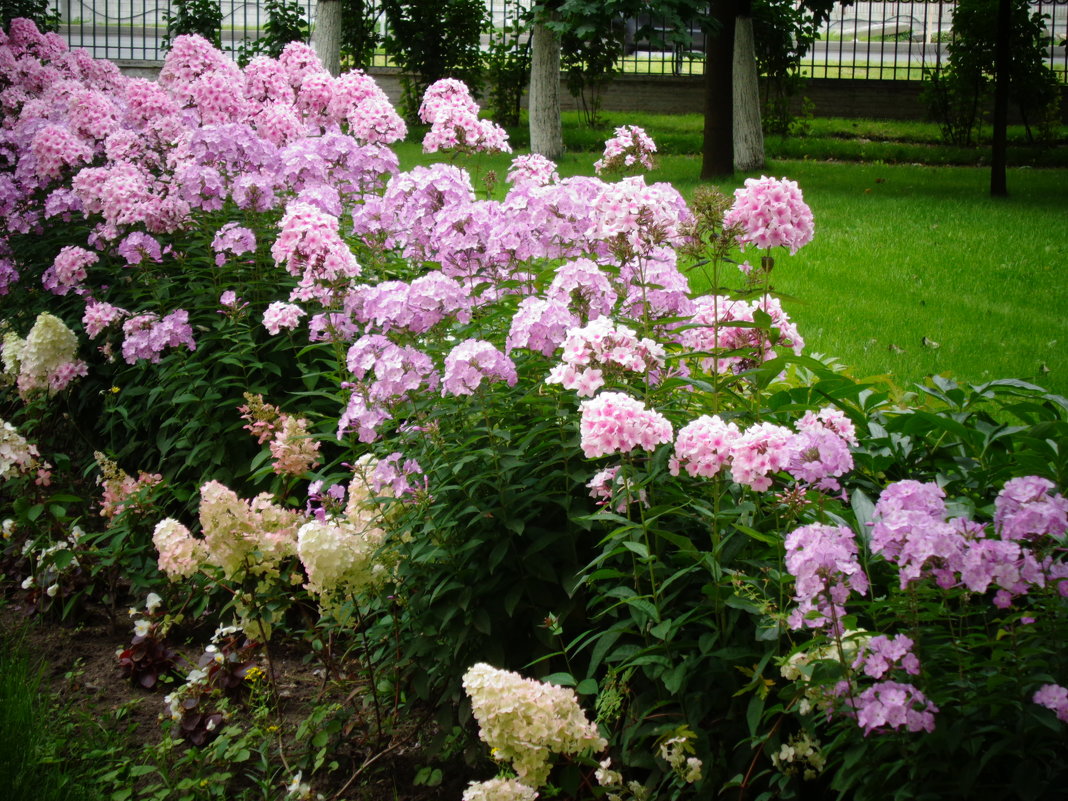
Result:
x=543 y=99
x=326 y=35
x=718 y=151
x=747 y=127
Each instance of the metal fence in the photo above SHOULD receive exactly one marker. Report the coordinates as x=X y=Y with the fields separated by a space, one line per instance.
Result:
x=881 y=40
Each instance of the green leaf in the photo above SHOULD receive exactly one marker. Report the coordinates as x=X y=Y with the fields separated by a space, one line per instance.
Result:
x=562 y=679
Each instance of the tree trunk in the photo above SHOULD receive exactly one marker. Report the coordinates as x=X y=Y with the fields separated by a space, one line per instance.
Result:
x=718 y=151
x=999 y=152
x=326 y=36
x=748 y=133
x=543 y=100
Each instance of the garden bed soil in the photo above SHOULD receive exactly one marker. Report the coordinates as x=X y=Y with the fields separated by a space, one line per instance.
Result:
x=80 y=668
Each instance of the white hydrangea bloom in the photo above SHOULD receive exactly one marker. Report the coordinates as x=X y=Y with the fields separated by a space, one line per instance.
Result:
x=499 y=790
x=524 y=721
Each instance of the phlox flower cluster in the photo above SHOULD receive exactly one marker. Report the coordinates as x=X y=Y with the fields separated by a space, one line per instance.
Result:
x=147 y=336
x=452 y=115
x=17 y=455
x=816 y=454
x=606 y=487
x=1054 y=697
x=770 y=213
x=823 y=561
x=888 y=705
x=310 y=246
x=720 y=344
x=393 y=475
x=911 y=530
x=46 y=360
x=232 y=238
x=138 y=247
x=613 y=422
x=473 y=361
x=386 y=374
x=540 y=324
x=68 y=270
x=631 y=147
x=881 y=654
x=526 y=721
x=121 y=492
x=279 y=315
x=602 y=346
x=532 y=169
x=416 y=306
x=1028 y=509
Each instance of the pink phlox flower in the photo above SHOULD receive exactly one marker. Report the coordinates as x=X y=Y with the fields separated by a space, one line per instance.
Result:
x=759 y=452
x=266 y=82
x=232 y=238
x=881 y=654
x=606 y=487
x=602 y=346
x=1054 y=697
x=471 y=361
x=819 y=457
x=146 y=336
x=99 y=315
x=1027 y=508
x=613 y=422
x=299 y=60
x=889 y=705
x=655 y=287
x=374 y=120
x=56 y=147
x=280 y=314
x=642 y=215
x=91 y=114
x=310 y=246
x=398 y=370
x=393 y=475
x=68 y=270
x=452 y=115
x=823 y=561
x=585 y=287
x=539 y=324
x=532 y=169
x=332 y=327
x=703 y=446
x=771 y=213
x=362 y=416
x=831 y=419
x=138 y=247
x=902 y=507
x=443 y=97
x=416 y=307
x=630 y=147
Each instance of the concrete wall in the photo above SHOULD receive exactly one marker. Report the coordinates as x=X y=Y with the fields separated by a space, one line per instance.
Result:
x=832 y=97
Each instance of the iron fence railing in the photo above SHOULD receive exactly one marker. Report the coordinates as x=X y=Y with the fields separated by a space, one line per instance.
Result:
x=882 y=40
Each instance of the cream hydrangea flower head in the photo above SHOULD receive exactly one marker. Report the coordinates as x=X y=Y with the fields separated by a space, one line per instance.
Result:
x=524 y=721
